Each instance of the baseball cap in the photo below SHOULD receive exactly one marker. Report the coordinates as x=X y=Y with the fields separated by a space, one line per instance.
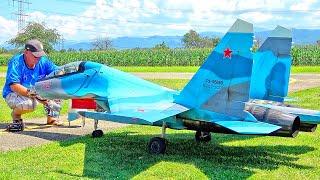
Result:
x=36 y=47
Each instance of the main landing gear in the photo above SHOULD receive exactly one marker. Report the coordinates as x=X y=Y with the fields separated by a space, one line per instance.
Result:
x=158 y=145
x=97 y=132
x=203 y=136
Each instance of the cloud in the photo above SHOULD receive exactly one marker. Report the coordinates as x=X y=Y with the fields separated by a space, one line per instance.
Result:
x=303 y=5
x=8 y=29
x=68 y=26
x=116 y=18
x=256 y=17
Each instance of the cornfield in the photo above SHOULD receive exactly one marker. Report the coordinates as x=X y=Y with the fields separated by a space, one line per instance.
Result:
x=302 y=55
x=306 y=55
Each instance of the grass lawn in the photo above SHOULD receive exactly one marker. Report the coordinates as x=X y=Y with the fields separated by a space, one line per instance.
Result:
x=3 y=69
x=305 y=69
x=123 y=154
x=294 y=69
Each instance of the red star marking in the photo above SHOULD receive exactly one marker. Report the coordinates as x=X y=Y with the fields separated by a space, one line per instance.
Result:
x=227 y=53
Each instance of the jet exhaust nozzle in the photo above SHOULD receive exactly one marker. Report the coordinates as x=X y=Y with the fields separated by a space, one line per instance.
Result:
x=290 y=124
x=308 y=127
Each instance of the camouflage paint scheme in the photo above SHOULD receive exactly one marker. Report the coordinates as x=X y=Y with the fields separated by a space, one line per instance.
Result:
x=217 y=98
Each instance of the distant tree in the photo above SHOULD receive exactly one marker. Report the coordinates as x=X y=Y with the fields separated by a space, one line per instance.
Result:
x=3 y=50
x=62 y=50
x=209 y=42
x=162 y=46
x=193 y=40
x=71 y=50
x=102 y=43
x=318 y=42
x=256 y=44
x=49 y=37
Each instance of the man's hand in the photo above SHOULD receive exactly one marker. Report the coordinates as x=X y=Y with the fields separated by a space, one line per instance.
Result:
x=31 y=93
x=41 y=100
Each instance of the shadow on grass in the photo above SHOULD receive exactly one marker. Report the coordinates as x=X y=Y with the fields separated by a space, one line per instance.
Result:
x=124 y=155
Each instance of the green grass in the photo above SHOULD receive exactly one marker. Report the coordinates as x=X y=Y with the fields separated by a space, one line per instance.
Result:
x=176 y=84
x=309 y=98
x=305 y=69
x=3 y=69
x=122 y=154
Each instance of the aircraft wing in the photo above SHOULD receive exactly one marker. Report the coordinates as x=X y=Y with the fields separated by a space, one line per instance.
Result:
x=140 y=113
x=250 y=128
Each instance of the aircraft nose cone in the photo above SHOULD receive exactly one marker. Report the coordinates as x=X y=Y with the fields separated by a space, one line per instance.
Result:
x=50 y=89
x=44 y=88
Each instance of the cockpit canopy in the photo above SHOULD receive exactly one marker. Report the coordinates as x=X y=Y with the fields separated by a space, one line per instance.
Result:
x=66 y=69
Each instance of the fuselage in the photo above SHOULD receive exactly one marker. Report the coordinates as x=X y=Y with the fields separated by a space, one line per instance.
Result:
x=113 y=89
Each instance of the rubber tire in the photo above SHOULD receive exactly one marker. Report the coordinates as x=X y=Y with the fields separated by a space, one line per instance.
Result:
x=199 y=136
x=157 y=145
x=97 y=133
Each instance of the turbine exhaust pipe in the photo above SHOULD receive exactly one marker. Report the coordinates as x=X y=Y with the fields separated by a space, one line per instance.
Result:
x=308 y=127
x=290 y=124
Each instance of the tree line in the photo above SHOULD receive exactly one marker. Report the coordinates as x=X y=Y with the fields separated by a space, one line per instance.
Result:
x=50 y=37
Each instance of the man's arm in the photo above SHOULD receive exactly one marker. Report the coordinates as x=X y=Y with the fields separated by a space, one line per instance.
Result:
x=18 y=88
x=23 y=91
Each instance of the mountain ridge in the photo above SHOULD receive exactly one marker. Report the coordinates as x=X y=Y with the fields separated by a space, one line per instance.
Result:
x=300 y=37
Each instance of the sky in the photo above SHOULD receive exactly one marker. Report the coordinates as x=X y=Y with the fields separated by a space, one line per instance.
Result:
x=89 y=19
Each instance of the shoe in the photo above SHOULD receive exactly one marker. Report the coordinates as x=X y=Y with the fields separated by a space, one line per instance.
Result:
x=16 y=125
x=55 y=123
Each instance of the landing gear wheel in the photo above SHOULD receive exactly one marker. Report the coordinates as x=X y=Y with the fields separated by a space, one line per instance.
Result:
x=97 y=133
x=157 y=145
x=203 y=136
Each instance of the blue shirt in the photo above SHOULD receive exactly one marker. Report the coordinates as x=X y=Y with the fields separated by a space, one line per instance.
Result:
x=19 y=72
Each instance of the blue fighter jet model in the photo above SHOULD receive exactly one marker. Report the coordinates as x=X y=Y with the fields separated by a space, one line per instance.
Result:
x=215 y=100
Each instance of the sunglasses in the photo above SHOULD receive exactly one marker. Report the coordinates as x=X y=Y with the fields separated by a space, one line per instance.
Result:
x=30 y=48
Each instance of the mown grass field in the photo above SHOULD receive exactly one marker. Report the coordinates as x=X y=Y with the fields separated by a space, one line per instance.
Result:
x=122 y=154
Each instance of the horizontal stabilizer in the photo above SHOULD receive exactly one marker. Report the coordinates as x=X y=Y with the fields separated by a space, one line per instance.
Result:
x=245 y=127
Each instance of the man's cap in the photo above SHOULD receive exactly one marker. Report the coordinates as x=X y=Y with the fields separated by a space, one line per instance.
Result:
x=36 y=47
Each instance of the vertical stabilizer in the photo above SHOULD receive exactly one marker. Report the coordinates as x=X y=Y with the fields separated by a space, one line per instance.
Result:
x=222 y=83
x=271 y=67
